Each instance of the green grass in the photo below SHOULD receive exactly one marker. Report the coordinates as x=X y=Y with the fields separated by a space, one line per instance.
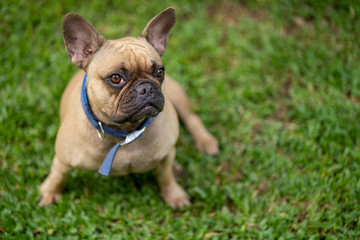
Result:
x=278 y=83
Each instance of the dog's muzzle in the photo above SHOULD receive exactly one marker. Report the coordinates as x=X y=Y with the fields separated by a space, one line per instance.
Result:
x=143 y=99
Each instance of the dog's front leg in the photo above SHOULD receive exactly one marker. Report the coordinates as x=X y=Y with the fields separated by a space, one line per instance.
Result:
x=171 y=192
x=51 y=188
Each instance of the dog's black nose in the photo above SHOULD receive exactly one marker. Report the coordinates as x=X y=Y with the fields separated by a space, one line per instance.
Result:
x=145 y=89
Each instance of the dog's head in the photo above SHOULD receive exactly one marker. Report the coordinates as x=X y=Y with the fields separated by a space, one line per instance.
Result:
x=124 y=75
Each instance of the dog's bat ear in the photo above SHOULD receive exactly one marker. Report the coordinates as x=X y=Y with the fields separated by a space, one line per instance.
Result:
x=81 y=39
x=157 y=30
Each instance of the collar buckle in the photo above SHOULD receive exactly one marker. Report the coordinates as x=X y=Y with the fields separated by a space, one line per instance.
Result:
x=101 y=132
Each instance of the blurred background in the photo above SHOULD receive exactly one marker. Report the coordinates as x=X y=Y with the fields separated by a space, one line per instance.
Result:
x=277 y=82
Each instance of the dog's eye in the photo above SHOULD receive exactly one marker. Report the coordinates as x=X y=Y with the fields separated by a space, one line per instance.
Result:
x=115 y=78
x=160 y=74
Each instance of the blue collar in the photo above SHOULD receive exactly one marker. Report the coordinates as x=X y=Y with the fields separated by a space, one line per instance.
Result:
x=102 y=129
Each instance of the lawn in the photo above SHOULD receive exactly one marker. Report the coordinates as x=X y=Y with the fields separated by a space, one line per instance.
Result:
x=277 y=82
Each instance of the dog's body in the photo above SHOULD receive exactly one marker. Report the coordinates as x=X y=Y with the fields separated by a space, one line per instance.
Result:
x=125 y=85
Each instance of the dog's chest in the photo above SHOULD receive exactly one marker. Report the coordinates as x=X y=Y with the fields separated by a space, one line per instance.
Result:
x=136 y=158
x=142 y=155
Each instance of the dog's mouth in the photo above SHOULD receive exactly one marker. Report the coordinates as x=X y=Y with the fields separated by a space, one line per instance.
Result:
x=138 y=114
x=148 y=110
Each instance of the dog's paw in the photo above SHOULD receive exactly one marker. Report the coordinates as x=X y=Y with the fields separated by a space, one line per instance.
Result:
x=48 y=199
x=208 y=144
x=176 y=197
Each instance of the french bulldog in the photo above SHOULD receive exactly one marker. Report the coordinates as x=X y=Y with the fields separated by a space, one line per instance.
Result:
x=119 y=113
